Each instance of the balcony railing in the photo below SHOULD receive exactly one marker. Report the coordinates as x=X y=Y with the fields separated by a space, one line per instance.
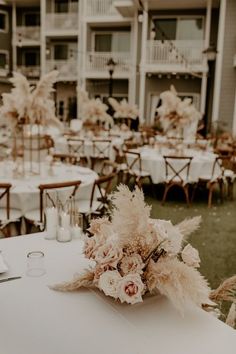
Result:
x=97 y=62
x=179 y=52
x=27 y=34
x=62 y=21
x=67 y=69
x=29 y=71
x=100 y=8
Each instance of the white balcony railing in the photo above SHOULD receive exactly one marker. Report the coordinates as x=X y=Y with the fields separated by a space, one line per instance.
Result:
x=29 y=71
x=62 y=21
x=177 y=52
x=67 y=69
x=97 y=62
x=27 y=34
x=100 y=8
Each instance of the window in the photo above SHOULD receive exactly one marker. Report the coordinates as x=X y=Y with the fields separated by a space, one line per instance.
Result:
x=32 y=19
x=60 y=51
x=112 y=42
x=181 y=28
x=3 y=60
x=31 y=58
x=3 y=21
x=61 y=5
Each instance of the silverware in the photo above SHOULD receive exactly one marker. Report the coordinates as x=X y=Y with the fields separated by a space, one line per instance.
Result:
x=8 y=279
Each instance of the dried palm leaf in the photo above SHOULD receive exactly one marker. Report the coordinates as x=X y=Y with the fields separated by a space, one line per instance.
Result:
x=81 y=281
x=226 y=291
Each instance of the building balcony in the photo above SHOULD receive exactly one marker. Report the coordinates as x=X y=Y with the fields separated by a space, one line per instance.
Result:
x=178 y=56
x=102 y=11
x=125 y=7
x=4 y=72
x=30 y=72
x=67 y=69
x=96 y=64
x=62 y=23
x=27 y=35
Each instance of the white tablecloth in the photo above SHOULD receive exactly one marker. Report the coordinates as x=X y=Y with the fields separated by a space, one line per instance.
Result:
x=25 y=193
x=153 y=162
x=36 y=320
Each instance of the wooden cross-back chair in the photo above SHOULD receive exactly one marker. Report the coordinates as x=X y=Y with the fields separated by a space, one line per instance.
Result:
x=36 y=217
x=177 y=176
x=98 y=204
x=100 y=151
x=76 y=146
x=134 y=169
x=108 y=167
x=7 y=215
x=221 y=173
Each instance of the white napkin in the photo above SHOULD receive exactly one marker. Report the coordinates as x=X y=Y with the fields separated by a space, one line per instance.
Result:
x=3 y=266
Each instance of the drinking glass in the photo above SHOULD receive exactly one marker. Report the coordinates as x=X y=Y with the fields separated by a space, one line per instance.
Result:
x=35 y=264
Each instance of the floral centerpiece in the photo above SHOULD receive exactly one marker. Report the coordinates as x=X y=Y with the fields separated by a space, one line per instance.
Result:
x=178 y=115
x=27 y=107
x=133 y=254
x=93 y=110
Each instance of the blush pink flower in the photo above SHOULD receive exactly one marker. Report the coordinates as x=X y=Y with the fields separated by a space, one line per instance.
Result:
x=108 y=282
x=131 y=264
x=130 y=289
x=108 y=254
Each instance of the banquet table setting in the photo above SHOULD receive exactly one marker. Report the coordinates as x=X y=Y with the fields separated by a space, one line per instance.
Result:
x=24 y=191
x=42 y=320
x=153 y=161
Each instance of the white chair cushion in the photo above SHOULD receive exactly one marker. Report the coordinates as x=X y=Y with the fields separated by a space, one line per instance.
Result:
x=140 y=174
x=84 y=206
x=15 y=214
x=229 y=174
x=33 y=215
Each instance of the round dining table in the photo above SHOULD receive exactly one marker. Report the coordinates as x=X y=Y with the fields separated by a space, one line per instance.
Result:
x=154 y=163
x=24 y=193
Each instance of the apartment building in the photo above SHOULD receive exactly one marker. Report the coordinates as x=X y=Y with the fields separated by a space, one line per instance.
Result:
x=153 y=43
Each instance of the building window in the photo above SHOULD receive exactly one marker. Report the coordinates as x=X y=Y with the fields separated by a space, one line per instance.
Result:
x=65 y=6
x=3 y=60
x=32 y=19
x=112 y=42
x=60 y=51
x=4 y=21
x=181 y=28
x=31 y=58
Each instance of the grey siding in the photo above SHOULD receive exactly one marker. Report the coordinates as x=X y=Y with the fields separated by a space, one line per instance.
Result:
x=228 y=83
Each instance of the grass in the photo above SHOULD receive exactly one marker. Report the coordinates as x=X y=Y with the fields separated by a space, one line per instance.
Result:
x=216 y=238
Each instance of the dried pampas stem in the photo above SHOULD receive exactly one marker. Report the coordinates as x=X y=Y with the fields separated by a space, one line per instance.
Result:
x=231 y=318
x=226 y=291
x=81 y=281
x=188 y=226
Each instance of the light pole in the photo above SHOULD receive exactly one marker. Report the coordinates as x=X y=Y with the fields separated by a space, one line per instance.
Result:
x=55 y=93
x=111 y=67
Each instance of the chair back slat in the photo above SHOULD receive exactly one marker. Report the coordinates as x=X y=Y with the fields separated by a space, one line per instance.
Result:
x=5 y=187
x=76 y=146
x=177 y=172
x=102 y=186
x=133 y=160
x=55 y=187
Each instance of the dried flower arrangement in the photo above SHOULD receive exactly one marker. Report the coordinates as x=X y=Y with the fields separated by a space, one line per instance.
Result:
x=123 y=109
x=133 y=254
x=28 y=105
x=176 y=113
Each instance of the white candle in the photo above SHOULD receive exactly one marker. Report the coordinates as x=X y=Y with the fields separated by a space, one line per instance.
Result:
x=65 y=221
x=63 y=235
x=76 y=231
x=51 y=223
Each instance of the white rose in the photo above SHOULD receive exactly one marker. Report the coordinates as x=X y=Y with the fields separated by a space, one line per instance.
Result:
x=130 y=289
x=108 y=282
x=108 y=254
x=190 y=256
x=131 y=264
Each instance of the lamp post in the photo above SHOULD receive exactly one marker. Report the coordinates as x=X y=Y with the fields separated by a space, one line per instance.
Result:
x=55 y=96
x=111 y=67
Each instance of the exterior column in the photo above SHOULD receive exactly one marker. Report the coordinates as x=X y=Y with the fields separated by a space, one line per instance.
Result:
x=203 y=93
x=43 y=37
x=14 y=47
x=142 y=88
x=206 y=45
x=133 y=66
x=234 y=118
x=219 y=61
